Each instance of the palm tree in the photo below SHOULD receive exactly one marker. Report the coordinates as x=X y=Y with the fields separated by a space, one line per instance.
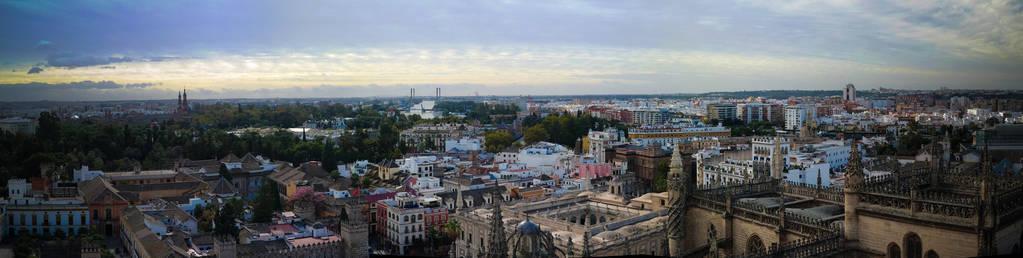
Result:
x=453 y=229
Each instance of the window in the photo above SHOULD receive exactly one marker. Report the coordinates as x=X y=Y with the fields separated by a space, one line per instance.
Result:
x=914 y=249
x=10 y=219
x=46 y=219
x=58 y=218
x=894 y=251
x=22 y=219
x=931 y=254
x=82 y=219
x=108 y=213
x=95 y=214
x=754 y=245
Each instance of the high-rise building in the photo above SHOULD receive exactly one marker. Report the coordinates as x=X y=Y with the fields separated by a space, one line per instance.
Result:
x=849 y=93
x=721 y=111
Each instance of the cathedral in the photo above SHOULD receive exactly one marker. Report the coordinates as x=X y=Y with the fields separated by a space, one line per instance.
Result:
x=182 y=108
x=932 y=210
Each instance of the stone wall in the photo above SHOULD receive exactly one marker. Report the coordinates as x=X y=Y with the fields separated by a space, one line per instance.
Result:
x=877 y=233
x=1009 y=237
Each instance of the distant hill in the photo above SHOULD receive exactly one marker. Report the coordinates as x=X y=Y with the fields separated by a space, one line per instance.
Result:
x=774 y=94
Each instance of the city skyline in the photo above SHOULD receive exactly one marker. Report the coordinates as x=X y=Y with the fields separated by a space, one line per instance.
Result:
x=70 y=51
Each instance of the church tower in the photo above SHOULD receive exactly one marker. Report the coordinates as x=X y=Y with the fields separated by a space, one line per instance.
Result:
x=678 y=191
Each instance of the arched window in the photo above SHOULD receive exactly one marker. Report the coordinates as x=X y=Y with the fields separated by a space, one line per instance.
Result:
x=931 y=254
x=894 y=251
x=914 y=249
x=754 y=245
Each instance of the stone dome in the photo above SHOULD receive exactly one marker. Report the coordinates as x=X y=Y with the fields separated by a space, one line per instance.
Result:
x=527 y=228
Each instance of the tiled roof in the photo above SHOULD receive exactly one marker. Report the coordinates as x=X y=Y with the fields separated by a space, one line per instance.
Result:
x=94 y=190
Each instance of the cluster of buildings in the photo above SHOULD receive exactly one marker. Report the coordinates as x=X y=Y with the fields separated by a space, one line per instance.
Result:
x=673 y=184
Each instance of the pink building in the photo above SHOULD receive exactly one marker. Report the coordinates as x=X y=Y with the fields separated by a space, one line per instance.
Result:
x=593 y=170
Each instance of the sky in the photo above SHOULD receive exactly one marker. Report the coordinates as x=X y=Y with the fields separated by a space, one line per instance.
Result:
x=119 y=50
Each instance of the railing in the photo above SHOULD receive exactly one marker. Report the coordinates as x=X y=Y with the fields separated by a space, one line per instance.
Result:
x=819 y=245
x=832 y=194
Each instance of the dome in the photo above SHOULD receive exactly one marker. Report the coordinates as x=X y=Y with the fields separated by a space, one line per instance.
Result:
x=527 y=228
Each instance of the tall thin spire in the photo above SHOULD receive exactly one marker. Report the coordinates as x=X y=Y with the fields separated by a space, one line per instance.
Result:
x=854 y=169
x=459 y=205
x=777 y=160
x=498 y=246
x=677 y=184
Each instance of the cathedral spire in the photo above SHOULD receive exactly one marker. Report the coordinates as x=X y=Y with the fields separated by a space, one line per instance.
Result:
x=677 y=193
x=498 y=246
x=854 y=169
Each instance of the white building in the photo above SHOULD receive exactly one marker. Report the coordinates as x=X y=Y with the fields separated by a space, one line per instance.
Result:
x=42 y=215
x=763 y=148
x=18 y=125
x=463 y=144
x=424 y=110
x=426 y=185
x=84 y=174
x=404 y=220
x=599 y=140
x=808 y=174
x=796 y=115
x=506 y=157
x=418 y=166
x=543 y=156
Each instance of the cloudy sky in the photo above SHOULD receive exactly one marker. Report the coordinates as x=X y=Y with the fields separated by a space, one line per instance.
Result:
x=70 y=50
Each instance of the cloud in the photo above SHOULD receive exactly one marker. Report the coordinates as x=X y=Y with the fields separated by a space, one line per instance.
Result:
x=45 y=45
x=68 y=59
x=35 y=70
x=140 y=85
x=100 y=85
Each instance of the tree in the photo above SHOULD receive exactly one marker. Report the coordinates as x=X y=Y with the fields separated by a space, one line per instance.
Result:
x=432 y=237
x=453 y=228
x=206 y=219
x=49 y=127
x=224 y=222
x=661 y=176
x=267 y=202
x=535 y=134
x=59 y=234
x=497 y=141
x=25 y=244
x=224 y=172
x=307 y=194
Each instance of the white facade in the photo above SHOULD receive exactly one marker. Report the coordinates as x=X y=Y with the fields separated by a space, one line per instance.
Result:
x=795 y=116
x=404 y=221
x=543 y=155
x=418 y=166
x=428 y=185
x=809 y=174
x=84 y=174
x=424 y=110
x=763 y=148
x=600 y=140
x=462 y=144
x=45 y=216
x=506 y=157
